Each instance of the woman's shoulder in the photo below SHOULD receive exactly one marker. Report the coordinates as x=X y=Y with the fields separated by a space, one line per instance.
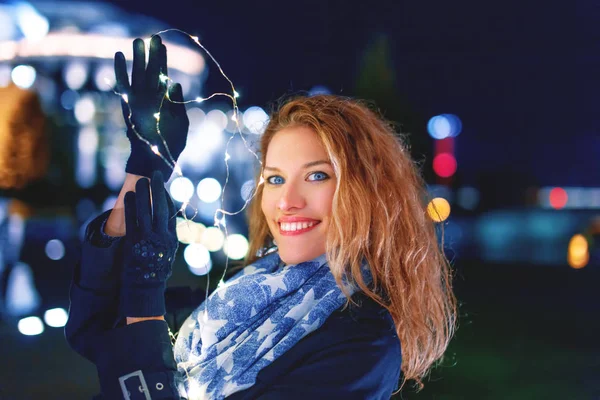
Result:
x=362 y=315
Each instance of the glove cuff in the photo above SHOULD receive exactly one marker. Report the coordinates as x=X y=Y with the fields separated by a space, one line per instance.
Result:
x=142 y=301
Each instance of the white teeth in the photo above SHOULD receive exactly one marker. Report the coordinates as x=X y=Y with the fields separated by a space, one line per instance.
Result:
x=295 y=226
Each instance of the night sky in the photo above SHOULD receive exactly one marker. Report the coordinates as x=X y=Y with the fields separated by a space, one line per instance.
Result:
x=520 y=75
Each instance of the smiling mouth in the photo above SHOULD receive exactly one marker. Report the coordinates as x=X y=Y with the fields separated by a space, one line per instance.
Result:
x=296 y=228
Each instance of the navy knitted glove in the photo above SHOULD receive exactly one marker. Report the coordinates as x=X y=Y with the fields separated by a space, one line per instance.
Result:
x=146 y=98
x=149 y=248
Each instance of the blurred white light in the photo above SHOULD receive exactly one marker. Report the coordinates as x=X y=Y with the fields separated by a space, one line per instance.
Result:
x=210 y=137
x=443 y=126
x=236 y=246
x=56 y=317
x=197 y=258
x=255 y=120
x=232 y=124
x=21 y=294
x=30 y=326
x=75 y=74
x=33 y=25
x=5 y=72
x=209 y=190
x=196 y=117
x=85 y=173
x=182 y=189
x=55 y=249
x=85 y=110
x=68 y=99
x=104 y=78
x=247 y=189
x=23 y=76
x=213 y=239
x=439 y=127
x=189 y=231
x=87 y=142
x=218 y=118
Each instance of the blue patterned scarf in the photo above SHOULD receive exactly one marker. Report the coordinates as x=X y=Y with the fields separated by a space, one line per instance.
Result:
x=251 y=320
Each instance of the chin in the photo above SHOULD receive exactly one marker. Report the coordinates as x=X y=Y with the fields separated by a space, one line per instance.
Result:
x=295 y=257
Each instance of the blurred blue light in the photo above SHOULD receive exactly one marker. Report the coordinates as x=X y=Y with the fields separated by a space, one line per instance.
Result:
x=55 y=249
x=68 y=99
x=444 y=126
x=318 y=89
x=21 y=295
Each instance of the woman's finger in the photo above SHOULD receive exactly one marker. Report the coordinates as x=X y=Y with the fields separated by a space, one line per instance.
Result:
x=139 y=64
x=143 y=204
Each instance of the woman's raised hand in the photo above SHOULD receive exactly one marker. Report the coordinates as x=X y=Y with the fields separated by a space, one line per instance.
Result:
x=146 y=102
x=149 y=248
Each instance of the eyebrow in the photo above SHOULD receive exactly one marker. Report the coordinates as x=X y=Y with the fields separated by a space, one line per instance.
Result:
x=307 y=165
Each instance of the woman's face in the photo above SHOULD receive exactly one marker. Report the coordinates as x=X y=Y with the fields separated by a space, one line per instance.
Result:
x=299 y=184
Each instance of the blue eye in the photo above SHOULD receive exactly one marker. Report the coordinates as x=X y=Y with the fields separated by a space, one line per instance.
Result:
x=318 y=176
x=275 y=180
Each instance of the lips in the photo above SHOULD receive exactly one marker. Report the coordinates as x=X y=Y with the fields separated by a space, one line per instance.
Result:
x=296 y=226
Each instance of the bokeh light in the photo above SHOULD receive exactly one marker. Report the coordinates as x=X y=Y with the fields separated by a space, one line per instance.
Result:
x=444 y=126
x=197 y=258
x=213 y=239
x=558 y=198
x=236 y=246
x=444 y=165
x=189 y=231
x=468 y=197
x=438 y=209
x=55 y=249
x=209 y=190
x=85 y=110
x=255 y=120
x=75 y=74
x=23 y=76
x=56 y=317
x=30 y=326
x=181 y=189
x=578 y=254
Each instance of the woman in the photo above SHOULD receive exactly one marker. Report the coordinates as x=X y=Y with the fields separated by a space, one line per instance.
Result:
x=344 y=266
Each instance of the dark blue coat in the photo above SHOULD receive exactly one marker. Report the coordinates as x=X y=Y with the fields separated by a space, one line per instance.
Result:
x=355 y=354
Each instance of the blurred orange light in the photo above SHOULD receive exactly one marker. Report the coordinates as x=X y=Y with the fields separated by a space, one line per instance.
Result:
x=558 y=198
x=444 y=165
x=438 y=209
x=578 y=263
x=578 y=254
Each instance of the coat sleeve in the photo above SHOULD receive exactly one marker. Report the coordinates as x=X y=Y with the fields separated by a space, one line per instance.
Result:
x=136 y=362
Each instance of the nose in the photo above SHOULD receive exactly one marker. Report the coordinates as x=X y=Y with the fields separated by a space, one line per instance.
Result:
x=291 y=198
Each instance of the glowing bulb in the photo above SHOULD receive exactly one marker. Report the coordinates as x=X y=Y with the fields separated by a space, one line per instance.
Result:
x=125 y=98
x=195 y=39
x=157 y=116
x=261 y=180
x=155 y=149
x=199 y=99
x=227 y=156
x=234 y=117
x=163 y=78
x=236 y=94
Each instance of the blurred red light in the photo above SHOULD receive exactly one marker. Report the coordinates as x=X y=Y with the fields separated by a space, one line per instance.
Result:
x=558 y=198
x=444 y=165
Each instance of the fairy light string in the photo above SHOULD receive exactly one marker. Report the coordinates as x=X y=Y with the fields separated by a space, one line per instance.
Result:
x=220 y=214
